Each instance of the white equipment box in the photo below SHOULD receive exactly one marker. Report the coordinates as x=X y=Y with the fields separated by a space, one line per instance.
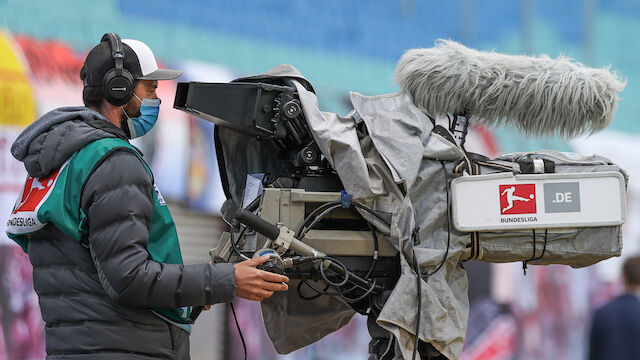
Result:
x=505 y=201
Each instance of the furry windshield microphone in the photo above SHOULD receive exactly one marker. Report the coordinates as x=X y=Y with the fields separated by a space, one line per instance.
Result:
x=537 y=95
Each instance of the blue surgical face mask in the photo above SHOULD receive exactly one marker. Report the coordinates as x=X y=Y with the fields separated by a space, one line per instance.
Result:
x=138 y=126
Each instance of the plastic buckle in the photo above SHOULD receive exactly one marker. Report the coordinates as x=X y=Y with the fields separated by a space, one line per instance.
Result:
x=345 y=199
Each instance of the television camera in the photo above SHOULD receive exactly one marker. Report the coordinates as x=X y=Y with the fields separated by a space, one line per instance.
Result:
x=426 y=203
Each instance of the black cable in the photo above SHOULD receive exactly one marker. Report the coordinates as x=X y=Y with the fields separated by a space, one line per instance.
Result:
x=533 y=257
x=450 y=122
x=428 y=274
x=340 y=264
x=373 y=264
x=321 y=292
x=376 y=249
x=317 y=295
x=372 y=212
x=331 y=203
x=313 y=214
x=346 y=278
x=544 y=246
x=301 y=233
x=302 y=259
x=244 y=345
x=337 y=285
x=233 y=243
x=309 y=222
x=339 y=292
x=359 y=298
x=318 y=218
x=329 y=207
x=325 y=278
x=325 y=209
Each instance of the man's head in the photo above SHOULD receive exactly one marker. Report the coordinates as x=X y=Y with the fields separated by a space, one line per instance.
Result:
x=119 y=74
x=631 y=274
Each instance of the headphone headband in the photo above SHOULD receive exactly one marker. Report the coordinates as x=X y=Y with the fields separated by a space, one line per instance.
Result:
x=117 y=51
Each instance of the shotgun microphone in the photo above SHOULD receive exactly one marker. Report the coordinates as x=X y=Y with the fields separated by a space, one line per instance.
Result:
x=536 y=95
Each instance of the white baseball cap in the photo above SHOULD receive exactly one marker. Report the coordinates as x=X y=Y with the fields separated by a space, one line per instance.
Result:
x=148 y=64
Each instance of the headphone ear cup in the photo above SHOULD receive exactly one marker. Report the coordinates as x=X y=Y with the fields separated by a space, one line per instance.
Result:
x=118 y=90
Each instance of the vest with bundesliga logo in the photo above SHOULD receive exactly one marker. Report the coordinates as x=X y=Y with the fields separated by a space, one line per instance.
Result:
x=56 y=200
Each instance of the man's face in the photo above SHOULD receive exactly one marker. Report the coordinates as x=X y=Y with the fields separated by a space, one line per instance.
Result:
x=144 y=89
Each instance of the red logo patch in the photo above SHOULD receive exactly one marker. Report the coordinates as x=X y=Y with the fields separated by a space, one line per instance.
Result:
x=517 y=199
x=34 y=191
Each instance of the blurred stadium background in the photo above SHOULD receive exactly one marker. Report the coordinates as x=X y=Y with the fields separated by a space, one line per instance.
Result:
x=340 y=46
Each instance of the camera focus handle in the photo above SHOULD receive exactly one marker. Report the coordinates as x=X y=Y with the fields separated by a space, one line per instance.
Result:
x=284 y=238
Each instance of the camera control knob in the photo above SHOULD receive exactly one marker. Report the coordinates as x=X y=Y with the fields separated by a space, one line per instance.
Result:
x=291 y=109
x=308 y=155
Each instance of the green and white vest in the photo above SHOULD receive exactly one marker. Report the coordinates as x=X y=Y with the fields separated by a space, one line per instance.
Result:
x=56 y=200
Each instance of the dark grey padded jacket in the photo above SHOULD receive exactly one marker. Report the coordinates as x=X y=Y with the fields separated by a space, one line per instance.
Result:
x=96 y=300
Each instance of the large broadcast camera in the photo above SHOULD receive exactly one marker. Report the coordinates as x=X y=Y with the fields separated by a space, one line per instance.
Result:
x=352 y=208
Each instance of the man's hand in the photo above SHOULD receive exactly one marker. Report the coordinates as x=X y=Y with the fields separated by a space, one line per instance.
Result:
x=257 y=285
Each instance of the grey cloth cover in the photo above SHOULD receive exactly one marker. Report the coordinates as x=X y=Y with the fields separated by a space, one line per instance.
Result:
x=402 y=153
x=96 y=300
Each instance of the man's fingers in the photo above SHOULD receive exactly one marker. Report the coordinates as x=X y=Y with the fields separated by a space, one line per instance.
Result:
x=255 y=284
x=263 y=293
x=273 y=286
x=256 y=261
x=273 y=277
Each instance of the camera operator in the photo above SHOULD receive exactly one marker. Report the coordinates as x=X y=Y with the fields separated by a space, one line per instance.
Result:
x=104 y=248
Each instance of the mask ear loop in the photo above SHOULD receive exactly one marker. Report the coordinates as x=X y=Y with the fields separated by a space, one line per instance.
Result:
x=130 y=129
x=125 y=112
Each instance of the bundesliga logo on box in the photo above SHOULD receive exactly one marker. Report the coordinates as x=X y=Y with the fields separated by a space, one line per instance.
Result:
x=518 y=199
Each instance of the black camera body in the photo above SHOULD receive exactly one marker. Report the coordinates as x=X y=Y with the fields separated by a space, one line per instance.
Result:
x=267 y=112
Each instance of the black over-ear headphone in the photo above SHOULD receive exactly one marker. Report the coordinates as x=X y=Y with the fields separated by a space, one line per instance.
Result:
x=117 y=82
